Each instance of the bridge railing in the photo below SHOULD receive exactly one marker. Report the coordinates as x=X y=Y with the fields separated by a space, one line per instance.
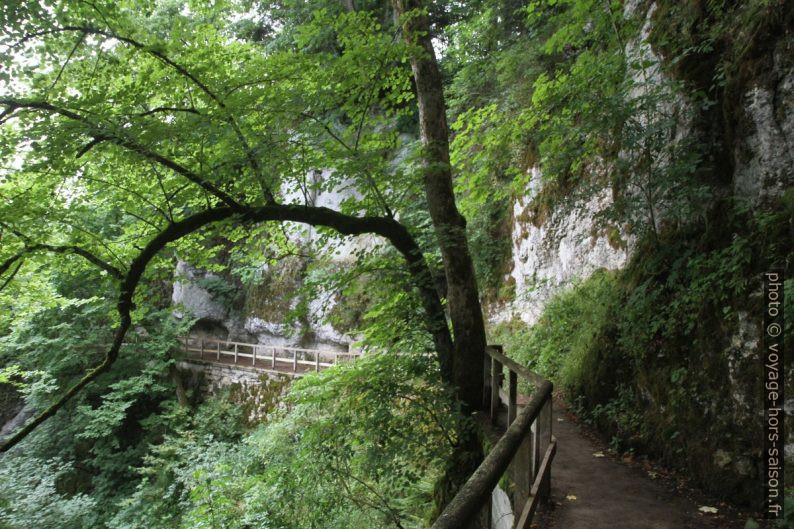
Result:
x=282 y=358
x=524 y=453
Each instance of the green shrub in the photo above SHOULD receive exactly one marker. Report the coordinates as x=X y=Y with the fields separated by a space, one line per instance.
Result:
x=557 y=346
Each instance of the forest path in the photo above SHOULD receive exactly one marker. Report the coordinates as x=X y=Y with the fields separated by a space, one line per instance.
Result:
x=592 y=492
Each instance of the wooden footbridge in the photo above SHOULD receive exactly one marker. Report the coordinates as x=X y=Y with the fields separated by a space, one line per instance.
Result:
x=519 y=462
x=293 y=361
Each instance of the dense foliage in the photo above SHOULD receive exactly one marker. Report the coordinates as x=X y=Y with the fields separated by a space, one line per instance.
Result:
x=122 y=119
x=652 y=124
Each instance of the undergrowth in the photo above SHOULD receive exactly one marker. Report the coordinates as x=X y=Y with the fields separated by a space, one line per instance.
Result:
x=661 y=356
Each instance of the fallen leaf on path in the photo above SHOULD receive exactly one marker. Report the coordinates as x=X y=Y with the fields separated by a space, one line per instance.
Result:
x=560 y=419
x=598 y=454
x=709 y=510
x=570 y=497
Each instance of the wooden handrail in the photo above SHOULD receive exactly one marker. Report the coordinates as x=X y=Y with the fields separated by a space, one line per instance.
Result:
x=525 y=432
x=494 y=351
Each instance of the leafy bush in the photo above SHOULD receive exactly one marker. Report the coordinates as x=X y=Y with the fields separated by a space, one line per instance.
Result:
x=358 y=445
x=30 y=497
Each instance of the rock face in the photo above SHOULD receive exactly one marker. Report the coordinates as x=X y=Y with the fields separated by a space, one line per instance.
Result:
x=188 y=293
x=258 y=391
x=546 y=258
x=262 y=318
x=217 y=321
x=549 y=253
x=20 y=418
x=764 y=154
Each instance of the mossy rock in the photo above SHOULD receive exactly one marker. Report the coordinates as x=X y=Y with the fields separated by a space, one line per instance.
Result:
x=271 y=298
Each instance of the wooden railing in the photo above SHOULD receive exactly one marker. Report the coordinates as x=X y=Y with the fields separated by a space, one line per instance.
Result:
x=279 y=358
x=525 y=451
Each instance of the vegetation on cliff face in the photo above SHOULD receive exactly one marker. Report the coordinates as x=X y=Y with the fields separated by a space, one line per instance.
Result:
x=649 y=107
x=134 y=134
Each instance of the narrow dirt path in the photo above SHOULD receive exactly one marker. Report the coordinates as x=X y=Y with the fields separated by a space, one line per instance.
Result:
x=590 y=492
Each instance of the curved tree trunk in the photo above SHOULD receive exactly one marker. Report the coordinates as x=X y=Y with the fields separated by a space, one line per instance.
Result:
x=450 y=226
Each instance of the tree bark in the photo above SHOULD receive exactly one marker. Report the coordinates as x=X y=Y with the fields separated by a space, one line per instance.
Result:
x=450 y=226
x=463 y=298
x=181 y=394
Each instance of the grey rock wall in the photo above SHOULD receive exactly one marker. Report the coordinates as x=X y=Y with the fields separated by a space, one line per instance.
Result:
x=547 y=258
x=257 y=390
x=764 y=151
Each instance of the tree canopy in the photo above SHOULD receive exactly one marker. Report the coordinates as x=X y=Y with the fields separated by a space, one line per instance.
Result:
x=128 y=127
x=143 y=137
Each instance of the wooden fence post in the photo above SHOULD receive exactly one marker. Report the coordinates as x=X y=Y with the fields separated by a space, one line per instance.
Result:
x=253 y=362
x=294 y=361
x=523 y=476
x=235 y=352
x=544 y=423
x=317 y=360
x=486 y=383
x=496 y=382
x=512 y=397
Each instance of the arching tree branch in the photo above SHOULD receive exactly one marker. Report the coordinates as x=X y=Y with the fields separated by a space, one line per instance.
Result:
x=388 y=228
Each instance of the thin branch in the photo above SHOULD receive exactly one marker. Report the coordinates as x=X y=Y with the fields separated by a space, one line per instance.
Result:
x=262 y=80
x=169 y=109
x=143 y=219
x=170 y=215
x=66 y=62
x=11 y=277
x=330 y=132
x=384 y=507
x=8 y=263
x=130 y=191
x=126 y=143
x=93 y=143
x=368 y=177
x=99 y=240
x=66 y=249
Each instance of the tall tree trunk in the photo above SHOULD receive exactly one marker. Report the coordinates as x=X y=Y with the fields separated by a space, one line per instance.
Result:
x=450 y=226
x=181 y=394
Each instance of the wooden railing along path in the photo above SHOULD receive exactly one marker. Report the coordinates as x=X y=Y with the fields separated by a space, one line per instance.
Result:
x=279 y=358
x=524 y=453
